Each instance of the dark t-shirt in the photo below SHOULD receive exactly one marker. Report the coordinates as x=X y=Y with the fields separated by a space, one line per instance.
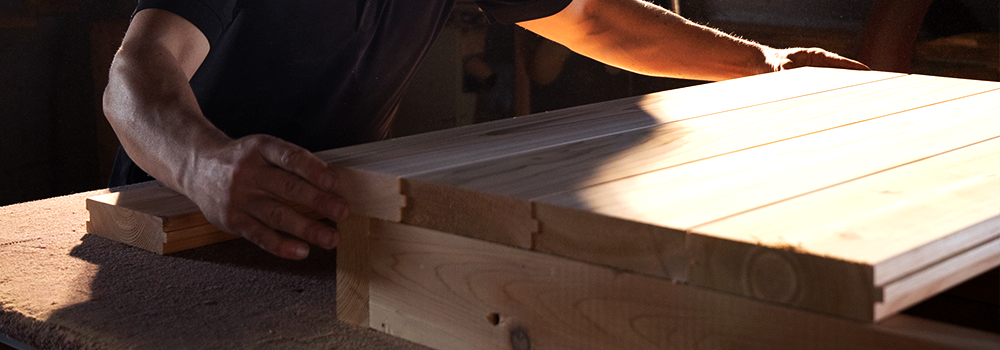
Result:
x=320 y=74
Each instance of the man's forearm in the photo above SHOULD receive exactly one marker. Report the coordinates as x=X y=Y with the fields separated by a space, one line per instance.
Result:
x=154 y=112
x=148 y=100
x=645 y=38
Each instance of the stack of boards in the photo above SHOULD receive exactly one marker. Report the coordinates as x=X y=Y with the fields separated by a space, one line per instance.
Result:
x=830 y=199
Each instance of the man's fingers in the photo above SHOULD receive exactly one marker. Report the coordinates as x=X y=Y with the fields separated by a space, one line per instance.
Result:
x=830 y=59
x=816 y=57
x=299 y=161
x=283 y=218
x=293 y=188
x=273 y=242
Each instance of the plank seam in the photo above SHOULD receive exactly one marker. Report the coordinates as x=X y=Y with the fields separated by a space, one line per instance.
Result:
x=644 y=128
x=693 y=228
x=766 y=144
x=983 y=242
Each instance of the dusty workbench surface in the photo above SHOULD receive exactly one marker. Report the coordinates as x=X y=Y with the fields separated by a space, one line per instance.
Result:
x=62 y=288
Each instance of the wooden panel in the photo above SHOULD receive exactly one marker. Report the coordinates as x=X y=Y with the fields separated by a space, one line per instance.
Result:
x=899 y=221
x=689 y=195
x=417 y=154
x=453 y=147
x=602 y=159
x=452 y=292
x=696 y=193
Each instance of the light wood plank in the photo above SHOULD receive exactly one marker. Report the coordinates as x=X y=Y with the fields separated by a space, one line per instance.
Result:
x=123 y=225
x=899 y=221
x=452 y=292
x=782 y=274
x=926 y=283
x=696 y=193
x=592 y=161
x=157 y=200
x=899 y=224
x=159 y=219
x=686 y=196
x=447 y=148
x=353 y=270
x=153 y=218
x=426 y=153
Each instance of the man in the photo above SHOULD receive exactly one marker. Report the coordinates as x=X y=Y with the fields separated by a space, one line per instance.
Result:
x=198 y=83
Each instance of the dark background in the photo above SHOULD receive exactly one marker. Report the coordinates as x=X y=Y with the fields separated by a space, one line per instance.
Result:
x=54 y=57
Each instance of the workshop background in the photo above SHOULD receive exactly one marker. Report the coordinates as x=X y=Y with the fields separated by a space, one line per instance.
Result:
x=55 y=54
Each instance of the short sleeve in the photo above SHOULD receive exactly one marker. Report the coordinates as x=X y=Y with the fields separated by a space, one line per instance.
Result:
x=513 y=11
x=212 y=17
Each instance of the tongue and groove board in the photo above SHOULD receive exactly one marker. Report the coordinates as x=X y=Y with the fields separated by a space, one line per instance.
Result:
x=690 y=186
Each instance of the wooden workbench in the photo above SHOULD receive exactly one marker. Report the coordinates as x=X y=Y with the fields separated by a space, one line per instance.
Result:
x=800 y=209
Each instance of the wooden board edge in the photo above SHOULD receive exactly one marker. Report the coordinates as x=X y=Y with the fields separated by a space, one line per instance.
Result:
x=901 y=266
x=174 y=245
x=371 y=194
x=924 y=284
x=353 y=270
x=483 y=216
x=613 y=242
x=123 y=225
x=782 y=275
x=452 y=292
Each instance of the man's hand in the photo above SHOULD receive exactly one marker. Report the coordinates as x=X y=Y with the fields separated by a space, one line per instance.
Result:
x=812 y=57
x=246 y=187
x=641 y=37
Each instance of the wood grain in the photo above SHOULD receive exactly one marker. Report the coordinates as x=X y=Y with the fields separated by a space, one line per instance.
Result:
x=453 y=147
x=153 y=218
x=686 y=196
x=452 y=292
x=353 y=270
x=488 y=217
x=696 y=193
x=783 y=275
x=623 y=244
x=928 y=282
x=123 y=225
x=924 y=193
x=898 y=223
x=566 y=167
